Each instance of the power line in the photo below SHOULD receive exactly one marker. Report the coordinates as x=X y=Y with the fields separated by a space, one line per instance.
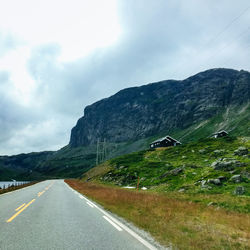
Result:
x=228 y=44
x=229 y=24
x=215 y=37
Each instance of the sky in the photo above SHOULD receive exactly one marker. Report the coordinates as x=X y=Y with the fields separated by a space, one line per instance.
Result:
x=57 y=57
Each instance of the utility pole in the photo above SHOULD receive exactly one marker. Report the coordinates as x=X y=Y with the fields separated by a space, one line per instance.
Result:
x=97 y=152
x=101 y=151
x=104 y=150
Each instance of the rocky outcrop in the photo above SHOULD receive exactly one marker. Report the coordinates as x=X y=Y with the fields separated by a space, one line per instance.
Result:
x=239 y=190
x=241 y=151
x=227 y=164
x=236 y=178
x=140 y=112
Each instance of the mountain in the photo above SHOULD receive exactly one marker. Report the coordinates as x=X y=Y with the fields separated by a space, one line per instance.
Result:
x=23 y=166
x=129 y=120
x=165 y=107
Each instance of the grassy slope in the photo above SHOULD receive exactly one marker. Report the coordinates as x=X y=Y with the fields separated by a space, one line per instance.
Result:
x=195 y=158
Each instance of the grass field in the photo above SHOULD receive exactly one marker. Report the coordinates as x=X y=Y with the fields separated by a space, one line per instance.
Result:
x=176 y=220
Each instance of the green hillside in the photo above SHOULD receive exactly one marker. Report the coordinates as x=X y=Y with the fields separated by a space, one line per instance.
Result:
x=206 y=166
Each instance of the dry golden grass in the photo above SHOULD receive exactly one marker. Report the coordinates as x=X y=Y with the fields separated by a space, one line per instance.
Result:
x=94 y=172
x=185 y=224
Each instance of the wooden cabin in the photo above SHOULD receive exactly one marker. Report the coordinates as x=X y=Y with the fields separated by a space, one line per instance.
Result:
x=220 y=134
x=166 y=141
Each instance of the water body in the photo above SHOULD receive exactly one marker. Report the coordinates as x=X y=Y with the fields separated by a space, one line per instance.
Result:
x=6 y=184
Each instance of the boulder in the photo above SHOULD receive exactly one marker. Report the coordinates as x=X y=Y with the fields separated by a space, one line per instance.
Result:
x=211 y=204
x=239 y=190
x=174 y=171
x=222 y=178
x=181 y=190
x=236 y=178
x=204 y=185
x=214 y=181
x=241 y=151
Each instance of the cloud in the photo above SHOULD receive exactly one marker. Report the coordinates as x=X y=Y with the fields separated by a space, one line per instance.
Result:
x=7 y=43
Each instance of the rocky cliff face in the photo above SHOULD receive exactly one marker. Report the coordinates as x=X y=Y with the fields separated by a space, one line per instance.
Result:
x=140 y=112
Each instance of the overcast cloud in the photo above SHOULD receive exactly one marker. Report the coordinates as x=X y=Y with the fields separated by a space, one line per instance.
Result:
x=56 y=57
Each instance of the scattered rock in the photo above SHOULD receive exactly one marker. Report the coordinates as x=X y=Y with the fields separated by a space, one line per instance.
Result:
x=211 y=204
x=226 y=164
x=143 y=188
x=245 y=174
x=218 y=152
x=181 y=190
x=239 y=190
x=121 y=167
x=241 y=151
x=184 y=157
x=222 y=178
x=236 y=178
x=214 y=181
x=203 y=184
x=174 y=171
x=202 y=151
x=193 y=151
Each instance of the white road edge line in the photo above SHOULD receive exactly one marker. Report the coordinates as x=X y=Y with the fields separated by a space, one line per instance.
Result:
x=135 y=235
x=112 y=223
x=89 y=204
x=80 y=196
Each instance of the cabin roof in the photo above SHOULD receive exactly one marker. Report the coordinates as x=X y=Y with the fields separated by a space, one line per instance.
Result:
x=168 y=138
x=219 y=132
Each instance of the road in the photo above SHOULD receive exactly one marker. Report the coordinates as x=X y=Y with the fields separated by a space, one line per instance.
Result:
x=51 y=215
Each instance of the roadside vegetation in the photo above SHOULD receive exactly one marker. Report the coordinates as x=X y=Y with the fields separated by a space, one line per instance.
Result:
x=13 y=187
x=182 y=223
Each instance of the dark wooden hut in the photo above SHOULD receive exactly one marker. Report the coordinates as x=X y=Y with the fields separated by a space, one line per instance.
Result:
x=220 y=134
x=166 y=141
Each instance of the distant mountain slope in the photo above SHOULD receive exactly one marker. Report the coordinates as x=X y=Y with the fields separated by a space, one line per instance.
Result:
x=163 y=107
x=23 y=166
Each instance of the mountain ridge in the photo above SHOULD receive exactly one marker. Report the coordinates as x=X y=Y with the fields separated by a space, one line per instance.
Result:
x=160 y=106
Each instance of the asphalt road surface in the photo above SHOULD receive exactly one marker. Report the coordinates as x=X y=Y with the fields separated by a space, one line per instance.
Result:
x=51 y=215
